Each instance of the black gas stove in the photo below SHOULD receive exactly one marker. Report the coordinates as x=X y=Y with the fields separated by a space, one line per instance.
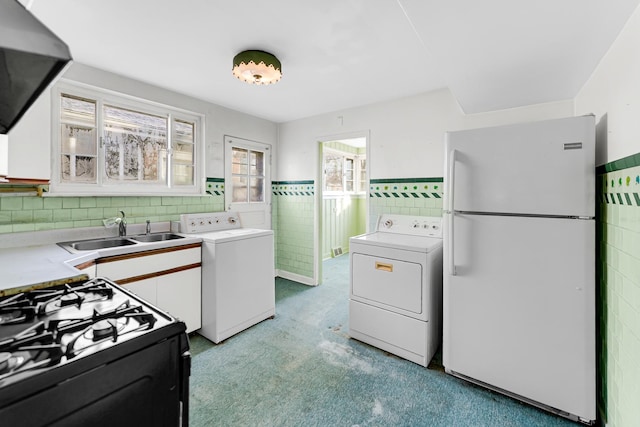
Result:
x=91 y=353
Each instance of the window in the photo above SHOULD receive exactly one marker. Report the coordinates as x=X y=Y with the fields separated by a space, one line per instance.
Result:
x=116 y=144
x=248 y=175
x=345 y=173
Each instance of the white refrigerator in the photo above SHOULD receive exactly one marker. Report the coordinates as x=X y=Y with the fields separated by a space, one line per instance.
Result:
x=519 y=262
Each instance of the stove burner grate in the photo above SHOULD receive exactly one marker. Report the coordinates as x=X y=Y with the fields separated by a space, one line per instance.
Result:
x=102 y=326
x=30 y=349
x=43 y=328
x=50 y=301
x=24 y=307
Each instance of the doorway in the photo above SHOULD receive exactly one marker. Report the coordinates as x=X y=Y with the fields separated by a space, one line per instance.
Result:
x=342 y=195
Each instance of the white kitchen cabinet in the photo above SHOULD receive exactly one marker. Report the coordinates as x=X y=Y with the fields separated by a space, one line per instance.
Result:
x=181 y=293
x=169 y=278
x=145 y=289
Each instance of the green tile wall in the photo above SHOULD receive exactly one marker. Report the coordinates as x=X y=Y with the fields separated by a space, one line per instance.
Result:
x=292 y=219
x=342 y=218
x=619 y=293
x=32 y=213
x=293 y=213
x=406 y=196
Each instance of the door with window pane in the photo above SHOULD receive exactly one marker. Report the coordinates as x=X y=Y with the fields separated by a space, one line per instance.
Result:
x=248 y=181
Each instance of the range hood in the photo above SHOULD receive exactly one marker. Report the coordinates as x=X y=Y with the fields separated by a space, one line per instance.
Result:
x=31 y=56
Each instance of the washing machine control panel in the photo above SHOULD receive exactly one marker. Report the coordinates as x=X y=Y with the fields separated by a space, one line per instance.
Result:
x=211 y=221
x=409 y=224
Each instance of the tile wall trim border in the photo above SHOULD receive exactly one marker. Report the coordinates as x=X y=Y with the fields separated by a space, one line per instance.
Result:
x=621 y=199
x=620 y=185
x=217 y=189
x=306 y=182
x=624 y=163
x=405 y=180
x=405 y=188
x=293 y=188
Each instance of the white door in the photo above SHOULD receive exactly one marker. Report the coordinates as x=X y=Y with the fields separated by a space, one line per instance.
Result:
x=544 y=168
x=519 y=313
x=393 y=284
x=247 y=181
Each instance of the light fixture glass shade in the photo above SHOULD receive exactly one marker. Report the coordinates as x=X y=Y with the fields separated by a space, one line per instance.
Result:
x=257 y=67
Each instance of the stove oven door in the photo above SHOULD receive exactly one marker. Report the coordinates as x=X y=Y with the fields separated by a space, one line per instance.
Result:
x=114 y=387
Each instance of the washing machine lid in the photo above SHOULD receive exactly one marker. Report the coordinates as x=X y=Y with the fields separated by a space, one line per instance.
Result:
x=398 y=241
x=232 y=235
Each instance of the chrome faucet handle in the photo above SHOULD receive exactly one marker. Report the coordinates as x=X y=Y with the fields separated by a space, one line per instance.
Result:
x=148 y=226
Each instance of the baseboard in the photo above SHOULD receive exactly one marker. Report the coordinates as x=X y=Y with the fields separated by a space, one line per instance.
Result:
x=296 y=277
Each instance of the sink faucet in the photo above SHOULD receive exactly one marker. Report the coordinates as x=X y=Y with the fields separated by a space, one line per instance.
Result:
x=122 y=226
x=148 y=226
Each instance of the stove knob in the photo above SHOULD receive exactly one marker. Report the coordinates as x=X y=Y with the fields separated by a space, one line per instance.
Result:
x=388 y=223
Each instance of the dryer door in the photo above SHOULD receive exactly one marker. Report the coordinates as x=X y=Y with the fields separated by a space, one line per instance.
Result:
x=389 y=283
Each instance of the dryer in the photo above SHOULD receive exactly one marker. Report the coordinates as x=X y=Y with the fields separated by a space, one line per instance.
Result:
x=395 y=298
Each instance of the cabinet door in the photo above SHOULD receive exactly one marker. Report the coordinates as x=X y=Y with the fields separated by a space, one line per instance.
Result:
x=179 y=294
x=137 y=264
x=145 y=289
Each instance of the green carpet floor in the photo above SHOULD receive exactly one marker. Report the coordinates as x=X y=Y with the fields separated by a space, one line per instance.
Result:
x=302 y=369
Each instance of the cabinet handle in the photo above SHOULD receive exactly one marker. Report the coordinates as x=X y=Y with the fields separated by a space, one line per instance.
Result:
x=384 y=267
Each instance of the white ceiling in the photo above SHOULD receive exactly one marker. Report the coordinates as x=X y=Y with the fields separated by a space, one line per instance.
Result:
x=337 y=54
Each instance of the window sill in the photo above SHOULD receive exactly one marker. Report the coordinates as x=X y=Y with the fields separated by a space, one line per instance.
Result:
x=120 y=194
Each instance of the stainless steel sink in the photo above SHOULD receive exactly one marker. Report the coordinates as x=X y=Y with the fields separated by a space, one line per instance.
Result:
x=93 y=244
x=157 y=237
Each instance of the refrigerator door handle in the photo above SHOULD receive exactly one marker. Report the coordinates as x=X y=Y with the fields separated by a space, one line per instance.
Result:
x=450 y=211
x=450 y=179
x=452 y=264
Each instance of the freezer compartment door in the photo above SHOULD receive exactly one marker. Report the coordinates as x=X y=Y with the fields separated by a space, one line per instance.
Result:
x=543 y=168
x=519 y=313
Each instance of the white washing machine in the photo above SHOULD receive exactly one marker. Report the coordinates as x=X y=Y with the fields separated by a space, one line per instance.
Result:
x=238 y=273
x=396 y=286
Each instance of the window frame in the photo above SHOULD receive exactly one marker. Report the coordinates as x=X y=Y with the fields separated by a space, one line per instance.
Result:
x=102 y=186
x=356 y=170
x=248 y=175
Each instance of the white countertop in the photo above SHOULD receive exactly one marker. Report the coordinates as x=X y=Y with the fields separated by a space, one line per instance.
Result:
x=43 y=265
x=35 y=266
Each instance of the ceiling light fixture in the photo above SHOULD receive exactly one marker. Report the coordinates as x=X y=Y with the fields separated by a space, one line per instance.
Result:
x=257 y=67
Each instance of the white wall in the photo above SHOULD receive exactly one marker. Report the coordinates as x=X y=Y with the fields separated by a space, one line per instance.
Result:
x=406 y=135
x=613 y=95
x=30 y=140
